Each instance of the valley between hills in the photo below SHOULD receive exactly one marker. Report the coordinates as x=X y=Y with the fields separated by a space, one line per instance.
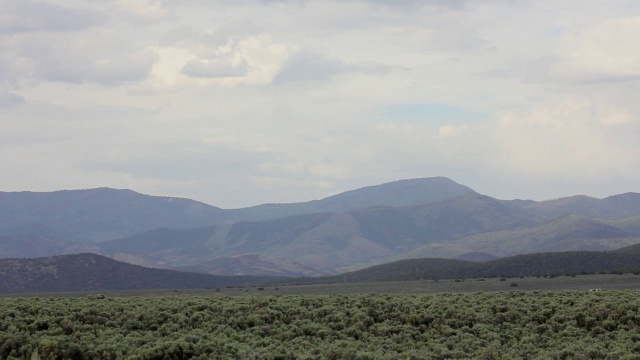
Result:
x=430 y=228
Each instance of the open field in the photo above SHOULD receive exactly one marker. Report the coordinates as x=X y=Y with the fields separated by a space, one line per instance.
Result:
x=559 y=283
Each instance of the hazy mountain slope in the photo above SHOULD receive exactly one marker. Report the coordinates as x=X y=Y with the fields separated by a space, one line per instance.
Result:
x=169 y=243
x=564 y=234
x=255 y=265
x=100 y=214
x=30 y=241
x=400 y=229
x=324 y=242
x=630 y=224
x=399 y=193
x=358 y=228
x=26 y=246
x=82 y=272
x=612 y=207
x=332 y=241
x=318 y=241
x=103 y=214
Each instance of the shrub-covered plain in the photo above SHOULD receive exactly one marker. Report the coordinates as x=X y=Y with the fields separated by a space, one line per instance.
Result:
x=491 y=325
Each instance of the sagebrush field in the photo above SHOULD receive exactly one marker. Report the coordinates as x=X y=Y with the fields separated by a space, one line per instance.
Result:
x=478 y=325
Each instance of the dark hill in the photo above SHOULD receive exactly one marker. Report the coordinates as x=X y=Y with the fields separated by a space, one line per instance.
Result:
x=556 y=263
x=561 y=263
x=629 y=250
x=413 y=269
x=89 y=272
x=476 y=257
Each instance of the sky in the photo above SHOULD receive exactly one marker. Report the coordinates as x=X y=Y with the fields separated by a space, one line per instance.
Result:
x=239 y=103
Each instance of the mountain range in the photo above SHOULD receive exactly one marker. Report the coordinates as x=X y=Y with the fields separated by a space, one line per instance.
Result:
x=406 y=219
x=92 y=215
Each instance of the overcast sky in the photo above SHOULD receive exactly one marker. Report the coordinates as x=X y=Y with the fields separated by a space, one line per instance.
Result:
x=238 y=103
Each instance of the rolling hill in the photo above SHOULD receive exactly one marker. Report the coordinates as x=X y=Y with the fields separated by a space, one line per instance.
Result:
x=541 y=264
x=91 y=272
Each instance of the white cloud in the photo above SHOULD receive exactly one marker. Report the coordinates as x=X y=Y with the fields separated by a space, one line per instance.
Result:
x=308 y=66
x=9 y=99
x=187 y=37
x=34 y=16
x=253 y=61
x=215 y=68
x=70 y=45
x=73 y=66
x=146 y=10
x=569 y=139
x=605 y=51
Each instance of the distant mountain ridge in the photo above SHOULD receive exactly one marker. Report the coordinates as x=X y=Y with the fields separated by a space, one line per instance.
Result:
x=416 y=218
x=99 y=214
x=103 y=214
x=329 y=243
x=612 y=207
x=401 y=193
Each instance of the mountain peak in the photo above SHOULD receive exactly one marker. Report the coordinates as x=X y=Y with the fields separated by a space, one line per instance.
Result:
x=406 y=192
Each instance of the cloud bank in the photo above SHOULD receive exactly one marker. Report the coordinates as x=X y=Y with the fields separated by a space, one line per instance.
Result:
x=237 y=104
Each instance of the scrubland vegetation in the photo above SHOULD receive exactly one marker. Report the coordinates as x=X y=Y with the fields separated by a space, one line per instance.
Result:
x=478 y=325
